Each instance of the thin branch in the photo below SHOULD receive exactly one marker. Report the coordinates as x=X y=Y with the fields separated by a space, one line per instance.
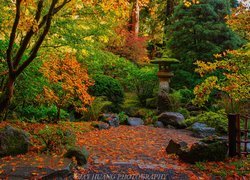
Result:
x=56 y=10
x=28 y=36
x=12 y=37
x=52 y=46
x=40 y=39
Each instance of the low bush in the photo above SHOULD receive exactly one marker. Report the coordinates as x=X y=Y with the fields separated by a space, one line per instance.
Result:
x=184 y=112
x=123 y=117
x=216 y=120
x=42 y=112
x=109 y=87
x=97 y=107
x=146 y=83
x=183 y=79
x=55 y=139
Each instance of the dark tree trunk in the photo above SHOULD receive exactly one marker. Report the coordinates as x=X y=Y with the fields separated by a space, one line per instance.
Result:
x=7 y=95
x=13 y=60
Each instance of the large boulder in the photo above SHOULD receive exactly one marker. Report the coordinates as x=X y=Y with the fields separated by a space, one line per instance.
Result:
x=201 y=151
x=175 y=148
x=214 y=149
x=202 y=130
x=81 y=155
x=13 y=141
x=133 y=121
x=172 y=118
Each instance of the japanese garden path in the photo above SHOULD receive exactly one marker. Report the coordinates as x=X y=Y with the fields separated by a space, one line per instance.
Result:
x=137 y=151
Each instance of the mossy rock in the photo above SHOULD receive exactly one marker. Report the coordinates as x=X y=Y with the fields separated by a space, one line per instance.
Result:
x=215 y=151
x=13 y=141
x=81 y=155
x=217 y=120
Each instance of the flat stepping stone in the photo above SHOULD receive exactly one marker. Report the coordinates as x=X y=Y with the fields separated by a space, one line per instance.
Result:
x=35 y=167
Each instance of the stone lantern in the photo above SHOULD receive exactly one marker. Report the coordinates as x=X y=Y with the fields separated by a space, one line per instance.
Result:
x=164 y=74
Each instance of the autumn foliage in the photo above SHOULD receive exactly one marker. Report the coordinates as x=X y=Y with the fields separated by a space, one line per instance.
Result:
x=127 y=45
x=69 y=83
x=234 y=81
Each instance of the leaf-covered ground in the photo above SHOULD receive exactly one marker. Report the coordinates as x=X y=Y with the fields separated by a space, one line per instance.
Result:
x=135 y=151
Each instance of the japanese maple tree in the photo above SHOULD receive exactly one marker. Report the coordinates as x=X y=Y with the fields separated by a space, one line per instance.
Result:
x=69 y=83
x=31 y=23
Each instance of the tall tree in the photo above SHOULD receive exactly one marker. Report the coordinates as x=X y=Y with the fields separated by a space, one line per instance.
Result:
x=32 y=22
x=198 y=30
x=135 y=18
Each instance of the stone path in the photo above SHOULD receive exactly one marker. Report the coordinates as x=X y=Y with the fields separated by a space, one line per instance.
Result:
x=33 y=166
x=124 y=152
x=134 y=150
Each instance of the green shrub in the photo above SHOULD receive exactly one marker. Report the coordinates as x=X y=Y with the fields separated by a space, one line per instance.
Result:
x=149 y=117
x=104 y=62
x=184 y=112
x=109 y=87
x=151 y=103
x=96 y=108
x=186 y=95
x=41 y=112
x=145 y=82
x=55 y=139
x=181 y=97
x=175 y=100
x=216 y=120
x=183 y=78
x=123 y=118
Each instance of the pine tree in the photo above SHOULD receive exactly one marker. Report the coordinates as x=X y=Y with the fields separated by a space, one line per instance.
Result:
x=198 y=31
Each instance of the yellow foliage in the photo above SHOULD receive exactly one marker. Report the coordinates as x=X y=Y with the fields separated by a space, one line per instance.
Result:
x=234 y=81
x=68 y=81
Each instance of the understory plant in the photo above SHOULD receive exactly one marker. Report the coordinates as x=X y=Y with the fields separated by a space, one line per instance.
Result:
x=217 y=120
x=96 y=108
x=229 y=74
x=110 y=88
x=55 y=139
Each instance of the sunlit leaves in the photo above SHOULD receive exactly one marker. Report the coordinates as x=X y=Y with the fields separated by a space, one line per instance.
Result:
x=239 y=21
x=69 y=83
x=235 y=78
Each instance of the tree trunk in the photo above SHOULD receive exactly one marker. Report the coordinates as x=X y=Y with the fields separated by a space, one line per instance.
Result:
x=135 y=18
x=7 y=95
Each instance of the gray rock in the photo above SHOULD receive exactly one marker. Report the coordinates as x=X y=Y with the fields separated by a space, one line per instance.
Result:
x=201 y=130
x=215 y=151
x=111 y=119
x=159 y=124
x=13 y=141
x=172 y=118
x=208 y=149
x=114 y=122
x=102 y=126
x=133 y=121
x=174 y=147
x=81 y=155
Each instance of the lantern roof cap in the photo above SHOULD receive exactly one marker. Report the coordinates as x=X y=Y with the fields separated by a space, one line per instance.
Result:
x=164 y=60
